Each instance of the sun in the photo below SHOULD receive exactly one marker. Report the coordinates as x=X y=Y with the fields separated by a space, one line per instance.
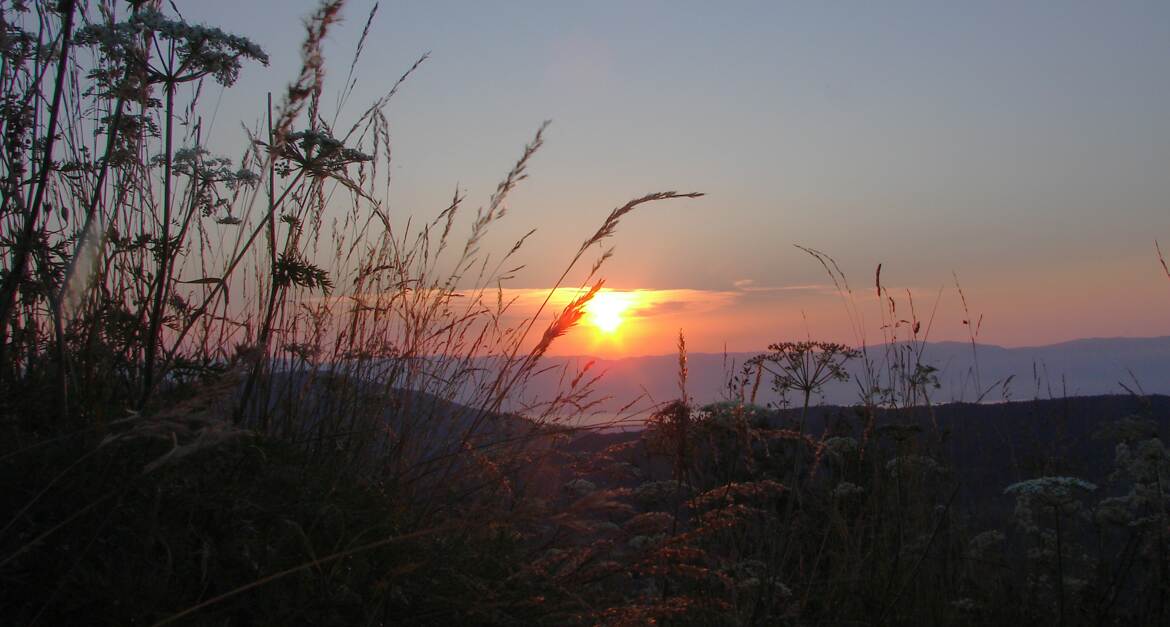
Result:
x=606 y=310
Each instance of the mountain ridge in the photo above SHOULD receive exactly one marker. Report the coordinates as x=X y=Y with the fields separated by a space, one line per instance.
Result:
x=1081 y=367
x=941 y=343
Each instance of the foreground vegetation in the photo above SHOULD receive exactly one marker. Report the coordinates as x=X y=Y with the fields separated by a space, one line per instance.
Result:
x=245 y=391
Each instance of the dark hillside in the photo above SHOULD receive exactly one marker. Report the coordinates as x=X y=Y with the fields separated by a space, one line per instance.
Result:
x=988 y=446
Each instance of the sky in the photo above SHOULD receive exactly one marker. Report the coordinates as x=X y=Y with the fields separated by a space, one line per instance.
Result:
x=1022 y=148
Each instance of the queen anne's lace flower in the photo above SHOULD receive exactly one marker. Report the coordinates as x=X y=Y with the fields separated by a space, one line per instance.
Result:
x=846 y=490
x=982 y=544
x=579 y=487
x=1050 y=487
x=907 y=466
x=199 y=50
x=841 y=445
x=1035 y=495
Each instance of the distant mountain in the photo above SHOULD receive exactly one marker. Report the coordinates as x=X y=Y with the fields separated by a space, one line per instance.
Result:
x=1077 y=368
x=417 y=426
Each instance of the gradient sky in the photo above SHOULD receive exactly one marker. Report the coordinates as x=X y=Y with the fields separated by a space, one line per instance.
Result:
x=1024 y=146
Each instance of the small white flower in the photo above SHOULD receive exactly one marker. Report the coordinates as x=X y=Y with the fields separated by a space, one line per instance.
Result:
x=965 y=604
x=846 y=490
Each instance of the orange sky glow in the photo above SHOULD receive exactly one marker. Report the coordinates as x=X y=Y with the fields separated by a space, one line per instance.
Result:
x=1027 y=309
x=1041 y=183
x=993 y=140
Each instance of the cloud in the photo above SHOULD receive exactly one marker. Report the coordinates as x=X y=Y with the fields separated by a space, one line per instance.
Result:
x=749 y=285
x=665 y=307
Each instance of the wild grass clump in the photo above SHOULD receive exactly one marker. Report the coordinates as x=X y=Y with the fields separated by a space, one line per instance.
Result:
x=246 y=390
x=249 y=377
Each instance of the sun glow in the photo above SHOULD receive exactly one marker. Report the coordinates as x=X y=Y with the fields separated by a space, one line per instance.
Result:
x=606 y=310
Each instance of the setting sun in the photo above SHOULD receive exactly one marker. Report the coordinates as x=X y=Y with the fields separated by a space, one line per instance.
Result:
x=606 y=310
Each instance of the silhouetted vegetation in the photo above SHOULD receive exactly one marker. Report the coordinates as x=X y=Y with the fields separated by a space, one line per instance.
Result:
x=244 y=391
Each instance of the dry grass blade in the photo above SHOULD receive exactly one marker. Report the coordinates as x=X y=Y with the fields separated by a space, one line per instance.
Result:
x=311 y=79
x=496 y=208
x=1162 y=259
x=567 y=319
x=381 y=102
x=608 y=227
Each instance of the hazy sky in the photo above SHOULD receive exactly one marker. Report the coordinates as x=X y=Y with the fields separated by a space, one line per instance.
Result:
x=1024 y=146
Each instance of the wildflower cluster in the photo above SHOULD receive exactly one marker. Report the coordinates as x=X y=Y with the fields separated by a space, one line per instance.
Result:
x=199 y=50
